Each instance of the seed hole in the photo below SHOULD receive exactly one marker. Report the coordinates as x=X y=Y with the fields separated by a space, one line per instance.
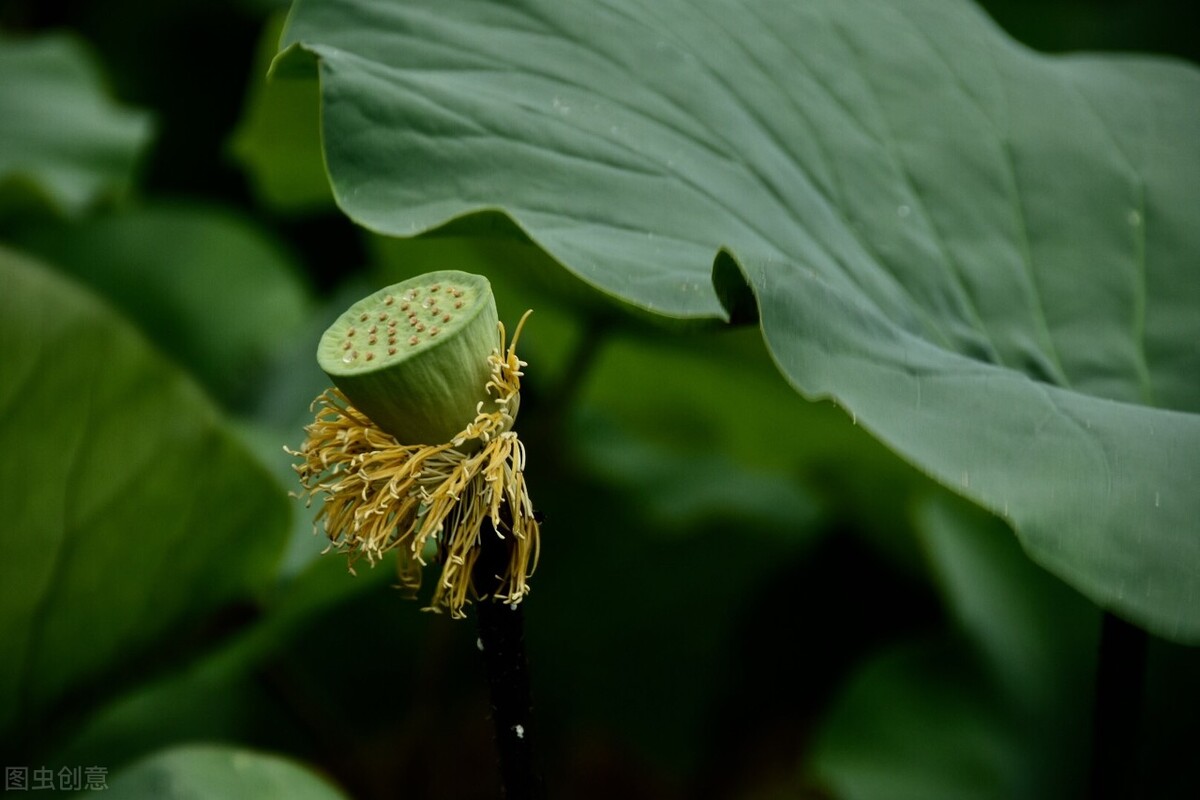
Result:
x=458 y=303
x=387 y=301
x=445 y=317
x=413 y=340
x=346 y=345
x=350 y=333
x=371 y=340
x=370 y=356
x=382 y=316
x=364 y=317
x=391 y=350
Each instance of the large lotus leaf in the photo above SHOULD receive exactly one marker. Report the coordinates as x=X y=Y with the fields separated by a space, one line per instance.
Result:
x=987 y=255
x=62 y=139
x=131 y=511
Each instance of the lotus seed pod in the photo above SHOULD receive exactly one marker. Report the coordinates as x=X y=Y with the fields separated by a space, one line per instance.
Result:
x=414 y=356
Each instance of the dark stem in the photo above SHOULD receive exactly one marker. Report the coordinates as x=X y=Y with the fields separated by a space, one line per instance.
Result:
x=502 y=642
x=502 y=638
x=1120 y=678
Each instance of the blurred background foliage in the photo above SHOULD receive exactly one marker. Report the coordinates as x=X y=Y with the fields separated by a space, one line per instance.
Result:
x=742 y=594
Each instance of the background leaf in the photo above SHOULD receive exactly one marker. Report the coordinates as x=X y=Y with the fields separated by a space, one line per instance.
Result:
x=132 y=511
x=202 y=771
x=251 y=688
x=63 y=141
x=982 y=253
x=997 y=707
x=209 y=288
x=278 y=140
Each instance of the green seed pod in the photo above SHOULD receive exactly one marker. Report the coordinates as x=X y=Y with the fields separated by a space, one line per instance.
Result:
x=414 y=356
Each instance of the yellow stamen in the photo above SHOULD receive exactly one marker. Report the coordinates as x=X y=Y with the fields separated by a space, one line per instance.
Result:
x=381 y=495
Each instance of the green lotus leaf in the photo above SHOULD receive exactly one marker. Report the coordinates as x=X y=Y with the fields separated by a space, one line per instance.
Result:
x=987 y=255
x=212 y=290
x=277 y=142
x=1002 y=703
x=133 y=511
x=63 y=141
x=194 y=771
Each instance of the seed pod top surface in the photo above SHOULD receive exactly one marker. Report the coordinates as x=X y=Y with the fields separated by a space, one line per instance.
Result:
x=414 y=356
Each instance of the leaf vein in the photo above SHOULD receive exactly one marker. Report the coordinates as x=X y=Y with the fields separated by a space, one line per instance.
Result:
x=1018 y=205
x=891 y=149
